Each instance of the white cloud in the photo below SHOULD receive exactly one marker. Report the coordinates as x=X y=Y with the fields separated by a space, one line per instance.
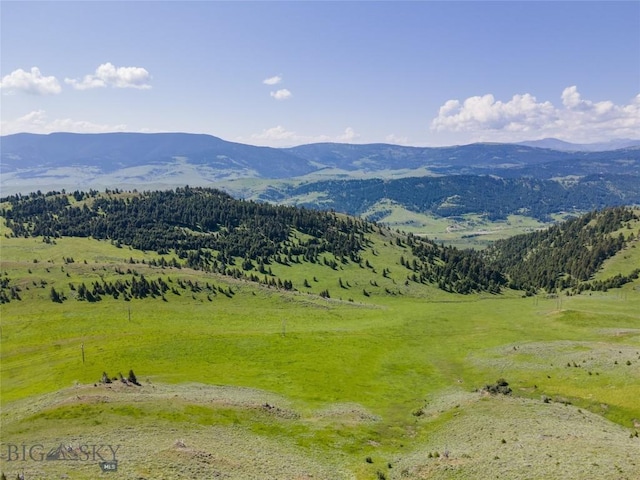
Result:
x=396 y=139
x=349 y=135
x=108 y=75
x=272 y=80
x=278 y=133
x=281 y=137
x=31 y=82
x=523 y=117
x=571 y=97
x=282 y=94
x=37 y=122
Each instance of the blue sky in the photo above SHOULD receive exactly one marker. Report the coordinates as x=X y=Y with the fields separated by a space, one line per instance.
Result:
x=287 y=73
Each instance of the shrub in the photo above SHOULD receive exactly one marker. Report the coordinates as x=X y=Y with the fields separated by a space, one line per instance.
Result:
x=501 y=386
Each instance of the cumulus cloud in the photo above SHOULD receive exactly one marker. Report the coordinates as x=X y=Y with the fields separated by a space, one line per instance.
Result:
x=349 y=135
x=32 y=82
x=278 y=133
x=396 y=139
x=282 y=94
x=38 y=122
x=520 y=113
x=279 y=136
x=524 y=117
x=272 y=80
x=108 y=75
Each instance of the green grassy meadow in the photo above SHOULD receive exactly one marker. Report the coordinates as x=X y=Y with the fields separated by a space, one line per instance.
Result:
x=378 y=381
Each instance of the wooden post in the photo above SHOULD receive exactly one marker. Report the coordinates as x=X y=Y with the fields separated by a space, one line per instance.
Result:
x=284 y=327
x=82 y=348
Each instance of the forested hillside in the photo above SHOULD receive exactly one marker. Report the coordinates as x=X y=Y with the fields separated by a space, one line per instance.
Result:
x=464 y=194
x=565 y=255
x=209 y=230
x=188 y=220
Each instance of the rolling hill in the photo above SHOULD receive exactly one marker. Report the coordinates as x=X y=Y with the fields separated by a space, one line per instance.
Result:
x=277 y=342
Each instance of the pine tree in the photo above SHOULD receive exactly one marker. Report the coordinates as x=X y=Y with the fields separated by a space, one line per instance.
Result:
x=55 y=296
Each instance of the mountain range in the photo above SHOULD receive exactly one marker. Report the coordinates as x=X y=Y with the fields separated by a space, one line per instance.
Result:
x=332 y=175
x=556 y=144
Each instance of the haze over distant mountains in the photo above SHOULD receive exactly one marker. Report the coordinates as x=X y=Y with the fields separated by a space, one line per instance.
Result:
x=166 y=160
x=490 y=179
x=556 y=144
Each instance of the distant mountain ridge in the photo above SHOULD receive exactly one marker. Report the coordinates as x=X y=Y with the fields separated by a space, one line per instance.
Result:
x=561 y=145
x=500 y=159
x=112 y=151
x=32 y=162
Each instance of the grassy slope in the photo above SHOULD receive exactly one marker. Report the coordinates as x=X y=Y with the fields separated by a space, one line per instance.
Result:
x=346 y=378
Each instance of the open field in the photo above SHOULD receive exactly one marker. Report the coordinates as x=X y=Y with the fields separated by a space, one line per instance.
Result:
x=262 y=383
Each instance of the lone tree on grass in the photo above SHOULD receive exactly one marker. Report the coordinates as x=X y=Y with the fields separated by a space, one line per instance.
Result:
x=132 y=378
x=55 y=296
